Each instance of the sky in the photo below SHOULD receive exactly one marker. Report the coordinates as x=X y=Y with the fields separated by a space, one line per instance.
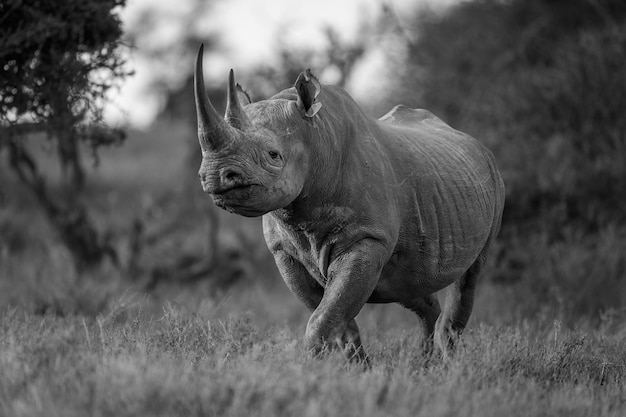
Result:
x=248 y=31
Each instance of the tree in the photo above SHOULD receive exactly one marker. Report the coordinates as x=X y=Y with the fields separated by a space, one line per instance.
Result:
x=59 y=59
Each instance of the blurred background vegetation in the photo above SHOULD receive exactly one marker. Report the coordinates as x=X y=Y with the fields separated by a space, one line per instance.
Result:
x=91 y=217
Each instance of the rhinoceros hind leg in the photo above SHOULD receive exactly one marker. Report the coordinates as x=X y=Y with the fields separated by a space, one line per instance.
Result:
x=457 y=309
x=428 y=310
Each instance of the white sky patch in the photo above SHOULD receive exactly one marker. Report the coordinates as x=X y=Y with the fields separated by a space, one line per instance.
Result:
x=249 y=32
x=251 y=28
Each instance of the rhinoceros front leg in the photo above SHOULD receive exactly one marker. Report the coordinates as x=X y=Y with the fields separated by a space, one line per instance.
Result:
x=310 y=293
x=351 y=279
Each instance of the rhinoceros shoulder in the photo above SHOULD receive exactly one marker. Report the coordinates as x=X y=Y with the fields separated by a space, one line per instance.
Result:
x=402 y=115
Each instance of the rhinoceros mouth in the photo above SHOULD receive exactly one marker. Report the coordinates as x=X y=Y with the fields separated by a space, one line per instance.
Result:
x=234 y=190
x=239 y=200
x=235 y=197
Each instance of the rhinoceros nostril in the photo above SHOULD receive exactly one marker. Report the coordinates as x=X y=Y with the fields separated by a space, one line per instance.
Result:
x=229 y=175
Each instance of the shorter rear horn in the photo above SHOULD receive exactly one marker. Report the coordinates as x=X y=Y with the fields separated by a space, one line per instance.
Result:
x=235 y=115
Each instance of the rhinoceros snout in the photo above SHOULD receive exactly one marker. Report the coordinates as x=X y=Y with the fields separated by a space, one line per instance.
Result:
x=230 y=176
x=226 y=179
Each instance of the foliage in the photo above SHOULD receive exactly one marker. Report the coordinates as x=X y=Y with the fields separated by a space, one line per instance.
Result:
x=38 y=37
x=59 y=61
x=579 y=275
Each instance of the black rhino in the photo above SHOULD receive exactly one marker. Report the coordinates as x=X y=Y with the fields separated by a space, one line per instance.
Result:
x=355 y=210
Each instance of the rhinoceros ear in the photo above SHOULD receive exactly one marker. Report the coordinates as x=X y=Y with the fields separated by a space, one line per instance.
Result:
x=308 y=88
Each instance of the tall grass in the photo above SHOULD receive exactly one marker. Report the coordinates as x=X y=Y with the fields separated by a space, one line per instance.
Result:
x=179 y=363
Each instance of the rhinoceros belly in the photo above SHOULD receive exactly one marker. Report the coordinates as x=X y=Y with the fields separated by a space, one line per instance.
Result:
x=422 y=268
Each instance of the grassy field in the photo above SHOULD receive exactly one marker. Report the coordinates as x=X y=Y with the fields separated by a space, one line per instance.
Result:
x=100 y=343
x=187 y=363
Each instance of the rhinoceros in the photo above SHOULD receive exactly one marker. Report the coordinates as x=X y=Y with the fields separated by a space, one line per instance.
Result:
x=355 y=209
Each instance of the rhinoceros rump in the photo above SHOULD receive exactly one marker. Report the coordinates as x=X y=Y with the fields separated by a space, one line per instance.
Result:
x=355 y=210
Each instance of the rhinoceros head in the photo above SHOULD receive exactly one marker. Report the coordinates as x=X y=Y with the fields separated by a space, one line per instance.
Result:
x=251 y=163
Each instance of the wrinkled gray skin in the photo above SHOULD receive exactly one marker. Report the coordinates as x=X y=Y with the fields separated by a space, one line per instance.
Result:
x=356 y=210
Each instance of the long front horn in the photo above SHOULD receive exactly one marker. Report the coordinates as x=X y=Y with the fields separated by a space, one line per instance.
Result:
x=235 y=115
x=213 y=131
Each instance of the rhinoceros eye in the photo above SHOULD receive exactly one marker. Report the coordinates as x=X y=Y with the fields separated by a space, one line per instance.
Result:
x=274 y=155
